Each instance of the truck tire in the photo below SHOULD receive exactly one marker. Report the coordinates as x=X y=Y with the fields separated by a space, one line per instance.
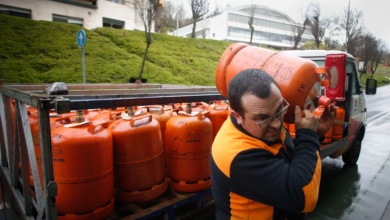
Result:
x=352 y=155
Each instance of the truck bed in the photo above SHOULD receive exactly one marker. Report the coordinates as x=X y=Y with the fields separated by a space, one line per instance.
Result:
x=21 y=201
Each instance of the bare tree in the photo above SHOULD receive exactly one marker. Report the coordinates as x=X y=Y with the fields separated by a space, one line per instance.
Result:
x=146 y=11
x=334 y=31
x=376 y=61
x=386 y=58
x=365 y=51
x=160 y=19
x=180 y=16
x=168 y=18
x=371 y=53
x=332 y=44
x=317 y=26
x=350 y=22
x=377 y=56
x=298 y=31
x=250 y=21
x=198 y=9
x=218 y=9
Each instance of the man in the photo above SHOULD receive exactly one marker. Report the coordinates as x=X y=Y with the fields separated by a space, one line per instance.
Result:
x=257 y=170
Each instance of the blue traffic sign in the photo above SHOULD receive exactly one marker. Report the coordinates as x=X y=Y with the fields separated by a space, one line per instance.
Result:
x=81 y=38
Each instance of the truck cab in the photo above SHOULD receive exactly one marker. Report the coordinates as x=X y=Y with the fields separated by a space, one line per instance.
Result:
x=347 y=95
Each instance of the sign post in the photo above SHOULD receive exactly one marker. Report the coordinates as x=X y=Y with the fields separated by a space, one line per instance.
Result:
x=81 y=40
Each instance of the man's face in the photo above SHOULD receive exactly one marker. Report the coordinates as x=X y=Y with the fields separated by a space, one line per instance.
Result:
x=257 y=110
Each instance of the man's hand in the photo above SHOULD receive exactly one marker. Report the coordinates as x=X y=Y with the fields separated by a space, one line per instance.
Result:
x=326 y=121
x=305 y=119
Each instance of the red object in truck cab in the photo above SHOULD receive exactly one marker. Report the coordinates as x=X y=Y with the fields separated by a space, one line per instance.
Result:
x=336 y=74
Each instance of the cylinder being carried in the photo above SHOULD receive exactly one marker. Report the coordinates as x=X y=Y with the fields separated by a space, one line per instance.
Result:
x=298 y=78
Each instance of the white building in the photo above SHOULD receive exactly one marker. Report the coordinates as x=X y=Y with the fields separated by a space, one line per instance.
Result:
x=271 y=27
x=86 y=13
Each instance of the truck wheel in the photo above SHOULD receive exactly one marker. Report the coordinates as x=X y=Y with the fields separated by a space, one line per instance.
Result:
x=352 y=155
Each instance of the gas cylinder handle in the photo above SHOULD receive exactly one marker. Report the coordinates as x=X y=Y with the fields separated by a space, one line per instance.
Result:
x=66 y=119
x=204 y=105
x=202 y=115
x=319 y=111
x=221 y=107
x=139 y=117
x=113 y=116
x=101 y=121
x=325 y=72
x=323 y=102
x=159 y=107
x=177 y=107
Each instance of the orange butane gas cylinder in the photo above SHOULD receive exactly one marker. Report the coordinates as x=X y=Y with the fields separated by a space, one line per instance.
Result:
x=328 y=136
x=188 y=139
x=83 y=170
x=139 y=163
x=291 y=129
x=56 y=120
x=338 y=125
x=32 y=114
x=162 y=113
x=218 y=113
x=298 y=78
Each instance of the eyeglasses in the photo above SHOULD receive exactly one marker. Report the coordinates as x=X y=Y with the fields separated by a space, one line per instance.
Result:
x=279 y=115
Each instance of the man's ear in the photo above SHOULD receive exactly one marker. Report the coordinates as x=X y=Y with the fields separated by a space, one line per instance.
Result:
x=237 y=116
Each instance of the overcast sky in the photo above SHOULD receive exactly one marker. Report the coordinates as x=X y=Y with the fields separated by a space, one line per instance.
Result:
x=376 y=13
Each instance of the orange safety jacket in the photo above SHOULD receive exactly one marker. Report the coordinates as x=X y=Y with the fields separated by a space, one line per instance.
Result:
x=252 y=179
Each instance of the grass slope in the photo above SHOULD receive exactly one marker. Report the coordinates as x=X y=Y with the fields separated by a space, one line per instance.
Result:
x=46 y=52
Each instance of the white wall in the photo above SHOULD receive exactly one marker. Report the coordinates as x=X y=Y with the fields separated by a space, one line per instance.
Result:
x=218 y=27
x=92 y=17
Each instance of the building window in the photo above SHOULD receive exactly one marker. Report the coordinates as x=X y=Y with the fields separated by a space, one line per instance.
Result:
x=260 y=22
x=81 y=3
x=266 y=13
x=116 y=1
x=258 y=35
x=108 y=22
x=19 y=12
x=69 y=20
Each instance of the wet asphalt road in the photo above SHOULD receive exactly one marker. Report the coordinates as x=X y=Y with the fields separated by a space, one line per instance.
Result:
x=362 y=191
